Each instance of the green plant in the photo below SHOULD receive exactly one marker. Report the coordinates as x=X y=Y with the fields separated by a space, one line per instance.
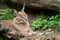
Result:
x=8 y=14
x=53 y=23
x=39 y=23
x=1 y=17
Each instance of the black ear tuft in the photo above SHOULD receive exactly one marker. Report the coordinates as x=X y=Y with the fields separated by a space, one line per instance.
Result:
x=23 y=7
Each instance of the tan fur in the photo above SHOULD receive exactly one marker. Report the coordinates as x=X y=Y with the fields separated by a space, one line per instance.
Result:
x=19 y=24
x=22 y=25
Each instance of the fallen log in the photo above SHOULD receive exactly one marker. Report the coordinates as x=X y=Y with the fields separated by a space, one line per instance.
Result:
x=37 y=4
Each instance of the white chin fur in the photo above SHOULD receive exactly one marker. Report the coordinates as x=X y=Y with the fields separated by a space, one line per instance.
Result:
x=30 y=33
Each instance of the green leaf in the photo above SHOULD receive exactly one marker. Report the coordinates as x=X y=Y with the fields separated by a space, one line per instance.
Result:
x=46 y=32
x=0 y=17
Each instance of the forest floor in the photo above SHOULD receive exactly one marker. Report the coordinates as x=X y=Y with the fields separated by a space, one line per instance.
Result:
x=53 y=35
x=38 y=36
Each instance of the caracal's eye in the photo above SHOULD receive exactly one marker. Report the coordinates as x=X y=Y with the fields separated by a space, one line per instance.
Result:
x=24 y=15
x=21 y=17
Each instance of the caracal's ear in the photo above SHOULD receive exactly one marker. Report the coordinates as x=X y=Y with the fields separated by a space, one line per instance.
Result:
x=23 y=7
x=15 y=12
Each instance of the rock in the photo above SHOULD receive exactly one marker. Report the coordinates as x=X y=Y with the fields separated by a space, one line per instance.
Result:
x=36 y=4
x=7 y=32
x=40 y=34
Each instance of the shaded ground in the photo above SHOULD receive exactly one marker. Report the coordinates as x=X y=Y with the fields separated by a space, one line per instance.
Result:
x=32 y=16
x=51 y=36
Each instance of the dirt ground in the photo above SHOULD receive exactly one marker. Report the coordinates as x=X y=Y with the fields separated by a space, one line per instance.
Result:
x=51 y=36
